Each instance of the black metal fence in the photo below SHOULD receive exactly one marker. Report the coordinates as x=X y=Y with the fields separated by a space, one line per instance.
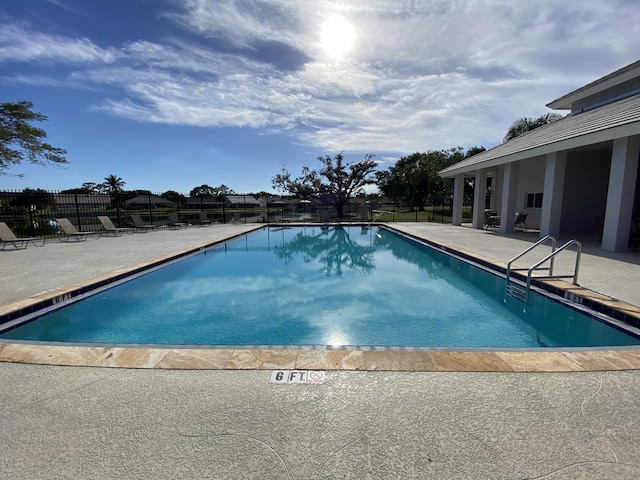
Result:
x=33 y=212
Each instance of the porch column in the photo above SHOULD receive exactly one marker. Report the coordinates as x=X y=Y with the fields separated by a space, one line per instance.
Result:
x=458 y=199
x=552 y=194
x=509 y=196
x=496 y=189
x=479 y=198
x=622 y=185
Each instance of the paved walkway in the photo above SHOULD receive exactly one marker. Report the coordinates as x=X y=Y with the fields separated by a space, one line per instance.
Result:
x=97 y=423
x=80 y=422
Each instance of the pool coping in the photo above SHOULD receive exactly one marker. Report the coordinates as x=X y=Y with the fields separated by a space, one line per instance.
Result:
x=319 y=358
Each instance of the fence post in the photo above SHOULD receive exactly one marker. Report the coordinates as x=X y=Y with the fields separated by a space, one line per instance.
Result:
x=150 y=211
x=118 y=213
x=224 y=215
x=32 y=227
x=75 y=201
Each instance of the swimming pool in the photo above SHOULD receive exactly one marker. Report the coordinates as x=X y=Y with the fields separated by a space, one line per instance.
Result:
x=319 y=286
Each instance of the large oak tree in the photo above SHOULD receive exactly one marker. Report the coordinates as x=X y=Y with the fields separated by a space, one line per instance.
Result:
x=337 y=181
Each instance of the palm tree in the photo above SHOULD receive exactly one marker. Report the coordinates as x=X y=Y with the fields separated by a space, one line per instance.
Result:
x=526 y=124
x=113 y=184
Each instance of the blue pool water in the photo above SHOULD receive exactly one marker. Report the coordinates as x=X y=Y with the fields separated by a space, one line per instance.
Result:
x=319 y=286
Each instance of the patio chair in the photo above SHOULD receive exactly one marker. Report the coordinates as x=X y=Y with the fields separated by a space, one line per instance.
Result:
x=109 y=228
x=70 y=231
x=204 y=220
x=8 y=237
x=139 y=224
x=174 y=221
x=521 y=221
x=237 y=218
x=491 y=219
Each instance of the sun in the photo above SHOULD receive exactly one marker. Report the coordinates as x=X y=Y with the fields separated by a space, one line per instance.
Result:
x=337 y=36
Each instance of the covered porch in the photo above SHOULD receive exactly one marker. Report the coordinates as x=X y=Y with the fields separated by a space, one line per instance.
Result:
x=576 y=177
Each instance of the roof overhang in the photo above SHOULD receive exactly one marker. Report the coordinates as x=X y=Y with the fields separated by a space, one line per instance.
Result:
x=608 y=82
x=617 y=120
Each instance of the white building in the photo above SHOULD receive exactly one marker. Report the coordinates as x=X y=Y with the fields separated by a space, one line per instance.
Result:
x=575 y=177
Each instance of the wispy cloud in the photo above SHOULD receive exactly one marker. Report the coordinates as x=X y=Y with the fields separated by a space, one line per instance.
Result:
x=421 y=74
x=20 y=43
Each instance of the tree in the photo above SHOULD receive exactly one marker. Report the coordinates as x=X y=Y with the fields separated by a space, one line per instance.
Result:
x=173 y=196
x=415 y=178
x=301 y=187
x=90 y=187
x=526 y=124
x=202 y=191
x=87 y=188
x=20 y=141
x=205 y=191
x=474 y=151
x=222 y=191
x=34 y=199
x=342 y=180
x=337 y=181
x=113 y=184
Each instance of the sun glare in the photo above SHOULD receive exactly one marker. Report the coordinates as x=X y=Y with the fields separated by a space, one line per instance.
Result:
x=337 y=36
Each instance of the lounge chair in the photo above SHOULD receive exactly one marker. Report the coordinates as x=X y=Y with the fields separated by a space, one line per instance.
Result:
x=521 y=221
x=109 y=227
x=139 y=224
x=70 y=231
x=204 y=220
x=491 y=219
x=174 y=221
x=8 y=237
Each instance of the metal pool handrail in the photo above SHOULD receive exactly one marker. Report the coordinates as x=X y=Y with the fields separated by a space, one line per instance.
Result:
x=552 y=256
x=524 y=252
x=523 y=295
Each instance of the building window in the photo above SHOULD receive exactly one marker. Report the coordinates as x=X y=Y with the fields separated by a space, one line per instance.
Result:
x=534 y=200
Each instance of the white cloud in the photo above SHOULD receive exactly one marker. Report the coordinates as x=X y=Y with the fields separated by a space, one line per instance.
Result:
x=421 y=75
x=19 y=43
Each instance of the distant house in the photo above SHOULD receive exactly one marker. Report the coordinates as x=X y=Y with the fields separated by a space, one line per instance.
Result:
x=82 y=200
x=202 y=202
x=148 y=201
x=575 y=177
x=241 y=201
x=272 y=201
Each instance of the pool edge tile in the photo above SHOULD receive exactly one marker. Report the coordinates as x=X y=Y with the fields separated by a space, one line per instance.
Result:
x=194 y=359
x=398 y=361
x=469 y=362
x=348 y=360
x=605 y=360
x=130 y=357
x=540 y=362
x=330 y=360
x=261 y=360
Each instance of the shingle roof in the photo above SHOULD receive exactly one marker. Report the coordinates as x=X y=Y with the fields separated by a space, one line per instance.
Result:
x=615 y=120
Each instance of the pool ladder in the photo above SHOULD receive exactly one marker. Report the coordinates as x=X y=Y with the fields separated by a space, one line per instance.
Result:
x=520 y=291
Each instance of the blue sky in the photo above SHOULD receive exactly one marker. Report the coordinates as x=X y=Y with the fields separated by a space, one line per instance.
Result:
x=172 y=94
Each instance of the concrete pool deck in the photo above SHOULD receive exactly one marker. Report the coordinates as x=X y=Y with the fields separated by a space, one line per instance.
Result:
x=185 y=422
